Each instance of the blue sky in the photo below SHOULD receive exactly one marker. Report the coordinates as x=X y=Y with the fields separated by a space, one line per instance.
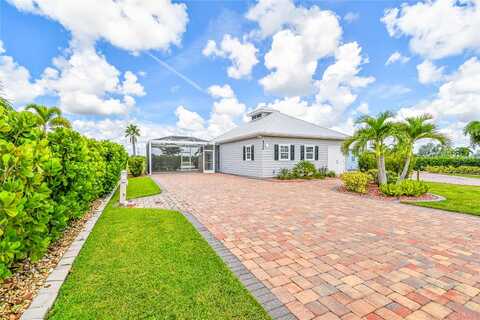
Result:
x=323 y=61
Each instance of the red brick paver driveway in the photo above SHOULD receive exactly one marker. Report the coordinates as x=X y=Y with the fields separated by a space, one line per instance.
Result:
x=329 y=255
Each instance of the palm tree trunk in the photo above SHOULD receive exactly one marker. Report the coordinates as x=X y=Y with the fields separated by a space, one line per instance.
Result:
x=382 y=173
x=134 y=148
x=406 y=167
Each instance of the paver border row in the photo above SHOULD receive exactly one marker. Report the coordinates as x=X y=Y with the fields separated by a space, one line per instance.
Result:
x=275 y=308
x=46 y=296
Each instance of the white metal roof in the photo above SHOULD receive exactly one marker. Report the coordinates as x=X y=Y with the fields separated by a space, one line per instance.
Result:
x=278 y=124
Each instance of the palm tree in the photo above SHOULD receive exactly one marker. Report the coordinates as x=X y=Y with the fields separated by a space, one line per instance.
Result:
x=375 y=132
x=415 y=129
x=49 y=117
x=132 y=132
x=473 y=130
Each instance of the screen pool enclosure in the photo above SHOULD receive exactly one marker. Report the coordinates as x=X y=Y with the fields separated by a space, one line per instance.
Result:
x=178 y=153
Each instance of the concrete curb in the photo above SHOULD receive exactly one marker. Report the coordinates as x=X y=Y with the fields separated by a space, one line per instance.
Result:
x=45 y=298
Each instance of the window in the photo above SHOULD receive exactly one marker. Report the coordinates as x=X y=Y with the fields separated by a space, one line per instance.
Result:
x=248 y=152
x=284 y=152
x=309 y=152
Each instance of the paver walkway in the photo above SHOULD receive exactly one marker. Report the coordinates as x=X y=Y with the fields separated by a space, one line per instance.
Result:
x=329 y=255
x=444 y=178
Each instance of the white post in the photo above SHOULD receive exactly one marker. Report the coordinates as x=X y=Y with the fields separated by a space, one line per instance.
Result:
x=123 y=188
x=149 y=157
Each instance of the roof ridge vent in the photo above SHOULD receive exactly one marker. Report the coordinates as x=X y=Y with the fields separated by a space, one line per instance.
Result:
x=260 y=113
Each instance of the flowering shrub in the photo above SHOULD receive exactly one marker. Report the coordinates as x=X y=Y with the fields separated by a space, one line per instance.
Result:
x=47 y=180
x=356 y=181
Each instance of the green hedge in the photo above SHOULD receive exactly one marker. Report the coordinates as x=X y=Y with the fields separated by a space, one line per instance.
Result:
x=422 y=162
x=46 y=182
x=394 y=162
x=454 y=170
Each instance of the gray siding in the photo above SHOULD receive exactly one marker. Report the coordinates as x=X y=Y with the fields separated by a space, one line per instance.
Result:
x=271 y=167
x=231 y=158
x=265 y=165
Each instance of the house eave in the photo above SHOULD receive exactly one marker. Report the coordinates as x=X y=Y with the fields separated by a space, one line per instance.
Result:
x=276 y=135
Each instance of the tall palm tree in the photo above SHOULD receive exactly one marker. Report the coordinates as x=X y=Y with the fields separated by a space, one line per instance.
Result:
x=413 y=130
x=375 y=132
x=473 y=130
x=132 y=132
x=50 y=117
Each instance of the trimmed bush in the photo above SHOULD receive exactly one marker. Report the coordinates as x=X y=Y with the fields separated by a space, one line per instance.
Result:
x=391 y=189
x=304 y=169
x=356 y=181
x=284 y=174
x=47 y=180
x=411 y=188
x=453 y=170
x=136 y=165
x=423 y=162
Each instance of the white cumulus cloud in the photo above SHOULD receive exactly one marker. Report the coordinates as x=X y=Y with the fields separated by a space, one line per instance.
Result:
x=15 y=81
x=243 y=55
x=429 y=73
x=312 y=34
x=87 y=84
x=131 y=25
x=396 y=57
x=437 y=29
x=81 y=77
x=458 y=98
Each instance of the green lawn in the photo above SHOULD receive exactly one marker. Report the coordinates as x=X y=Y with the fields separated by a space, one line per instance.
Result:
x=150 y=264
x=459 y=198
x=141 y=187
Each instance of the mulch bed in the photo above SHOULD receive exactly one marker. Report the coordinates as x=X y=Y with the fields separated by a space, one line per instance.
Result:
x=18 y=291
x=373 y=192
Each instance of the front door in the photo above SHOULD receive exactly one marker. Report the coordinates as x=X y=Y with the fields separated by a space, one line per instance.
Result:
x=208 y=161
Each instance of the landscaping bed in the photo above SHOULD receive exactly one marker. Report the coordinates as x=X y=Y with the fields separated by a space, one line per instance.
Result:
x=373 y=192
x=18 y=291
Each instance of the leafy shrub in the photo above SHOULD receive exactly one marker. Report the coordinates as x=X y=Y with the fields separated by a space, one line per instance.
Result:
x=116 y=160
x=391 y=189
x=445 y=161
x=331 y=174
x=413 y=188
x=453 y=170
x=46 y=182
x=304 y=169
x=405 y=188
x=394 y=162
x=355 y=181
x=284 y=174
x=136 y=165
x=373 y=175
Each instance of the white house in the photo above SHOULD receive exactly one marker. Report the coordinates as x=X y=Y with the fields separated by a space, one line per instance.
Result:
x=259 y=148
